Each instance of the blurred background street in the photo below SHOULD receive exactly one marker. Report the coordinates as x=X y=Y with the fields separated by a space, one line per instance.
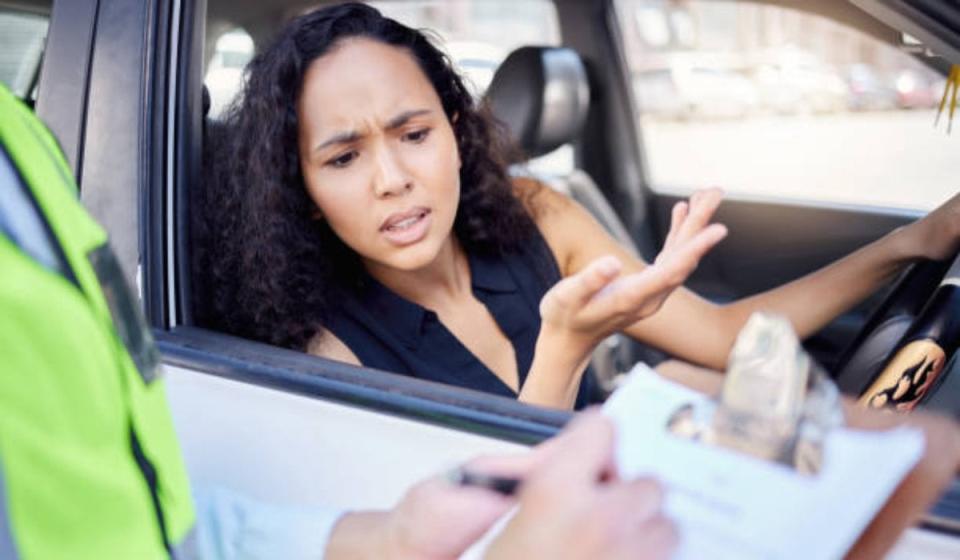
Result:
x=842 y=157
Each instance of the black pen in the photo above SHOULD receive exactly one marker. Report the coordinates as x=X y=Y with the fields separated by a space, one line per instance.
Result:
x=505 y=485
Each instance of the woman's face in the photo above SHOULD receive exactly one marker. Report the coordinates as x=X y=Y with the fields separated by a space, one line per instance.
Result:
x=378 y=155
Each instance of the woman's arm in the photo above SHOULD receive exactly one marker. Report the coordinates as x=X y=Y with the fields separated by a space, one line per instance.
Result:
x=696 y=330
x=604 y=290
x=561 y=354
x=699 y=331
x=702 y=332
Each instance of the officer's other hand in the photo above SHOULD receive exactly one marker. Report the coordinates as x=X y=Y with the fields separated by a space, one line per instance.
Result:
x=572 y=505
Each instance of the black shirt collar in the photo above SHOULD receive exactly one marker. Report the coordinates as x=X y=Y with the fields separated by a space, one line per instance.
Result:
x=406 y=319
x=491 y=274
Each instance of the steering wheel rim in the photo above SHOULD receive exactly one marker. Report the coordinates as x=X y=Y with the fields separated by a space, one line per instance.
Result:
x=883 y=331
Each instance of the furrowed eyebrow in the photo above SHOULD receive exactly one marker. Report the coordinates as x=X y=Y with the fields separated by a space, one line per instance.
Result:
x=402 y=118
x=352 y=135
x=341 y=138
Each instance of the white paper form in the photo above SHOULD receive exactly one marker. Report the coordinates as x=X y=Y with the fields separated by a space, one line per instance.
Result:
x=731 y=505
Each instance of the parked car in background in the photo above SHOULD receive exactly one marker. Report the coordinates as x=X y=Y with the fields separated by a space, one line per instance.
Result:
x=224 y=74
x=691 y=88
x=868 y=91
x=917 y=89
x=477 y=61
x=790 y=82
x=657 y=94
x=713 y=91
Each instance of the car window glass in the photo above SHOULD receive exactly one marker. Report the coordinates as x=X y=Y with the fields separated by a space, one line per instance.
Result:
x=22 y=37
x=768 y=101
x=479 y=34
x=224 y=72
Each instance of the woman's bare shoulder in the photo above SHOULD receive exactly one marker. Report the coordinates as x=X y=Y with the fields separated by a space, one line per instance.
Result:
x=573 y=235
x=540 y=200
x=326 y=345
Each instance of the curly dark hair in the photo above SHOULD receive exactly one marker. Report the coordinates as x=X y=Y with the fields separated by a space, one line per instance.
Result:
x=273 y=271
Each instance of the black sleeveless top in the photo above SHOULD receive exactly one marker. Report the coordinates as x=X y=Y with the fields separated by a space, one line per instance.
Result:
x=391 y=333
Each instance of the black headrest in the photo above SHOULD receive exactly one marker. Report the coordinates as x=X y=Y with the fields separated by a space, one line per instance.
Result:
x=541 y=94
x=205 y=100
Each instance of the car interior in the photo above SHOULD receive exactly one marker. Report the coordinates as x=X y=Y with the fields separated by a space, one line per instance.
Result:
x=538 y=123
x=549 y=97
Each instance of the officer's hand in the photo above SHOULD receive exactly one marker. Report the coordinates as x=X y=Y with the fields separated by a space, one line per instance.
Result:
x=573 y=507
x=437 y=519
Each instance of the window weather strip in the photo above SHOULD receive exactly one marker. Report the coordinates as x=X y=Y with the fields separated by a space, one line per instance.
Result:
x=172 y=69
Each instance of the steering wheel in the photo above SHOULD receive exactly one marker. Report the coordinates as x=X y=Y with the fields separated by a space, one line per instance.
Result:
x=883 y=332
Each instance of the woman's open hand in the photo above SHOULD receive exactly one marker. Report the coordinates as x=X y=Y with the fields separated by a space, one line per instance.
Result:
x=598 y=300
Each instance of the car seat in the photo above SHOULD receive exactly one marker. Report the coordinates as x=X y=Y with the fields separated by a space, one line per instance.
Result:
x=541 y=95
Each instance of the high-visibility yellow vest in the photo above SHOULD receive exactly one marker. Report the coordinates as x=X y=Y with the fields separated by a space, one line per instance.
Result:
x=89 y=462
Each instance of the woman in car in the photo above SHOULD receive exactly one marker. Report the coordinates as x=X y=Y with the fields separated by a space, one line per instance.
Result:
x=367 y=216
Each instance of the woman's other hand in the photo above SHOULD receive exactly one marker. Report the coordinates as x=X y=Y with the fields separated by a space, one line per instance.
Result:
x=597 y=301
x=573 y=506
x=936 y=236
